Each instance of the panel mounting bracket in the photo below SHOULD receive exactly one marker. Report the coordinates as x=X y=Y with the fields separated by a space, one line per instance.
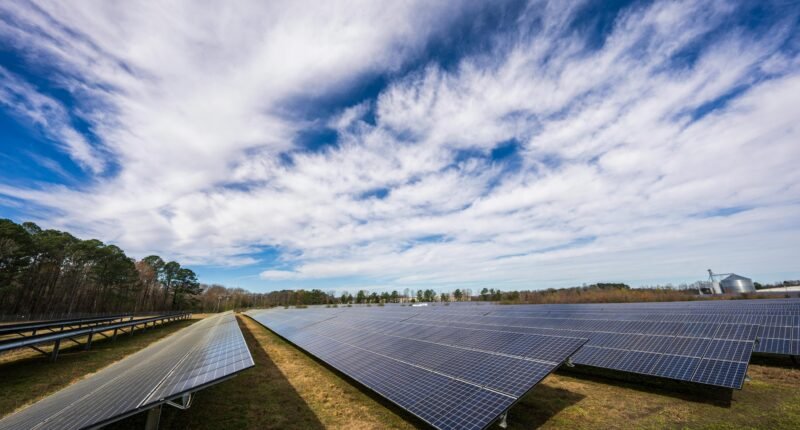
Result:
x=186 y=400
x=569 y=362
x=503 y=424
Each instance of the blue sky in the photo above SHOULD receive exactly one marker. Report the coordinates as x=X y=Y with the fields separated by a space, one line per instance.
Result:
x=377 y=145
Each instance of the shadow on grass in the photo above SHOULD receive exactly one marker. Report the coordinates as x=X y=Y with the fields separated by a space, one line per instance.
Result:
x=779 y=361
x=258 y=398
x=539 y=405
x=691 y=392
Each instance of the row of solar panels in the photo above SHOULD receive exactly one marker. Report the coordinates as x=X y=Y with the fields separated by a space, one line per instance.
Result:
x=751 y=306
x=367 y=343
x=202 y=354
x=778 y=329
x=451 y=378
x=371 y=345
x=56 y=332
x=713 y=354
x=51 y=325
x=454 y=367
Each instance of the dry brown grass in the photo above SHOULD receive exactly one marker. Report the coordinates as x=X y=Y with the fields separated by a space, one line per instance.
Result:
x=335 y=401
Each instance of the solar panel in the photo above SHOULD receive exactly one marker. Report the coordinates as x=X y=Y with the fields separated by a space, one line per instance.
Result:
x=25 y=327
x=778 y=320
x=202 y=354
x=642 y=347
x=727 y=331
x=51 y=335
x=450 y=377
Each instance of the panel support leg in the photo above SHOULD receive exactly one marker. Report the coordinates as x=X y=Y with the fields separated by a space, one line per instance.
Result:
x=54 y=354
x=153 y=417
x=89 y=342
x=503 y=424
x=115 y=335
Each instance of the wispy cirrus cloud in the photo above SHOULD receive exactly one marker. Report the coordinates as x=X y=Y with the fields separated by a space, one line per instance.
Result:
x=50 y=117
x=556 y=154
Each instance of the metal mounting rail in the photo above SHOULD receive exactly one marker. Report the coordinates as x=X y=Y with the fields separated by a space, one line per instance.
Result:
x=57 y=324
x=55 y=337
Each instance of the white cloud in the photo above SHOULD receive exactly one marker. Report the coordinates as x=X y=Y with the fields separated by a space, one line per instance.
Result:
x=277 y=275
x=50 y=117
x=613 y=179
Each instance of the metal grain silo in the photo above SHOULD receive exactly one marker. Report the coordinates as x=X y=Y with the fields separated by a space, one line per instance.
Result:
x=735 y=284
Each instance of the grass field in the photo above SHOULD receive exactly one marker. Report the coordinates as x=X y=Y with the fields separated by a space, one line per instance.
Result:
x=290 y=390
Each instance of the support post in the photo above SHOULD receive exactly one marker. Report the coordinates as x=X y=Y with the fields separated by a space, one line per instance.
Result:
x=56 y=347
x=88 y=341
x=153 y=417
x=113 y=338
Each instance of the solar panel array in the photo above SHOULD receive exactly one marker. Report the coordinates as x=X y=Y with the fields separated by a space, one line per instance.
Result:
x=49 y=332
x=701 y=341
x=450 y=377
x=28 y=326
x=707 y=353
x=778 y=320
x=704 y=342
x=200 y=355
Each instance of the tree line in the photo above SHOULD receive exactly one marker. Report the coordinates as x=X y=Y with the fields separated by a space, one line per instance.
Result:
x=597 y=293
x=51 y=272
x=244 y=299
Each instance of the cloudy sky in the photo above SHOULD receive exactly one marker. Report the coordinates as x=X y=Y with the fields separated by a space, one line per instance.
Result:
x=369 y=144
